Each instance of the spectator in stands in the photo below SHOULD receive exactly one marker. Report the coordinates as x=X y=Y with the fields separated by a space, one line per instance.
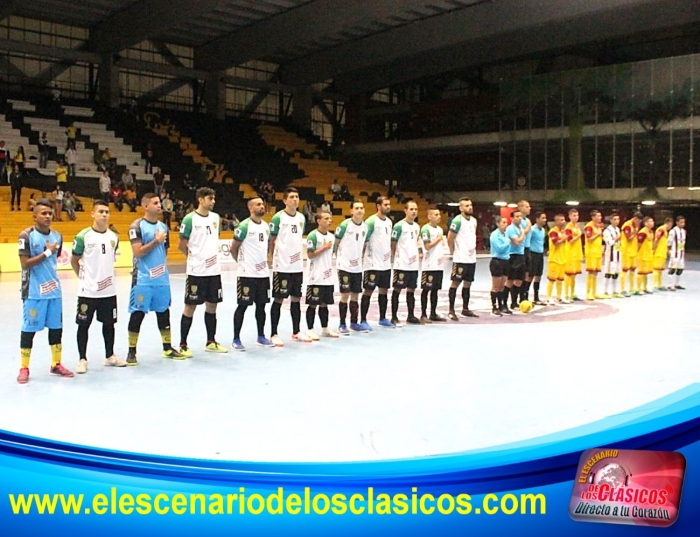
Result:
x=61 y=173
x=43 y=151
x=309 y=211
x=31 y=202
x=116 y=196
x=56 y=95
x=148 y=154
x=105 y=185
x=71 y=133
x=269 y=193
x=326 y=207
x=78 y=204
x=69 y=205
x=20 y=158
x=127 y=180
x=158 y=180
x=189 y=183
x=58 y=203
x=345 y=193
x=335 y=189
x=16 y=187
x=71 y=160
x=4 y=161
x=486 y=235
x=167 y=206
x=106 y=160
x=130 y=198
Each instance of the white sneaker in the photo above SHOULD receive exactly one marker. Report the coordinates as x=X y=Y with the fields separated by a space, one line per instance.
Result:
x=277 y=341
x=566 y=301
x=301 y=336
x=327 y=332
x=313 y=335
x=115 y=361
x=552 y=302
x=82 y=366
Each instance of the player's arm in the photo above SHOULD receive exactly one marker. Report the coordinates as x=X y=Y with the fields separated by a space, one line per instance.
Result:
x=517 y=241
x=556 y=237
x=395 y=235
x=185 y=233
x=274 y=230
x=238 y=237
x=339 y=234
x=77 y=253
x=28 y=262
x=137 y=245
x=659 y=235
x=312 y=249
x=182 y=245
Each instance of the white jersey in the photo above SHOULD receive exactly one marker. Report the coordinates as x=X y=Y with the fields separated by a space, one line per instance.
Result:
x=252 y=255
x=350 y=239
x=378 y=252
x=676 y=248
x=98 y=253
x=432 y=259
x=289 y=231
x=465 y=239
x=611 y=256
x=202 y=235
x=406 y=237
x=321 y=266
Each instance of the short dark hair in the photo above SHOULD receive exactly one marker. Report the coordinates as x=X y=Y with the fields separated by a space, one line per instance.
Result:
x=204 y=191
x=99 y=203
x=559 y=214
x=614 y=214
x=381 y=199
x=539 y=213
x=638 y=214
x=646 y=219
x=679 y=218
x=45 y=202
x=464 y=199
x=289 y=190
x=433 y=208
x=573 y=210
x=668 y=220
x=352 y=205
x=251 y=200
x=319 y=215
x=405 y=205
x=594 y=212
x=148 y=196
x=516 y=211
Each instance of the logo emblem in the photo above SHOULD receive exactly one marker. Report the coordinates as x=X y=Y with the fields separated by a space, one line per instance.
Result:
x=372 y=277
x=430 y=278
x=284 y=283
x=316 y=290
x=32 y=312
x=83 y=308
x=194 y=288
x=246 y=290
x=346 y=279
x=460 y=270
x=139 y=299
x=400 y=275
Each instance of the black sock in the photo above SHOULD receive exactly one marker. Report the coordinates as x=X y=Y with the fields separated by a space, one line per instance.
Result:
x=210 y=325
x=494 y=299
x=411 y=303
x=343 y=311
x=238 y=320
x=433 y=302
x=275 y=312
x=260 y=319
x=514 y=292
x=466 y=294
x=536 y=290
x=323 y=315
x=134 y=327
x=310 y=315
x=504 y=297
x=108 y=336
x=383 y=303
x=354 y=310
x=185 y=325
x=453 y=296
x=524 y=291
x=83 y=341
x=163 y=320
x=395 y=303
x=424 y=302
x=295 y=308
x=364 y=308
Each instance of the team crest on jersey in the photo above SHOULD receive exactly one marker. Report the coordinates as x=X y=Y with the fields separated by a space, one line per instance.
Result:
x=345 y=279
x=21 y=244
x=284 y=283
x=83 y=308
x=193 y=288
x=246 y=290
x=430 y=278
x=113 y=243
x=32 y=312
x=400 y=275
x=460 y=270
x=214 y=224
x=139 y=299
x=372 y=277
x=316 y=290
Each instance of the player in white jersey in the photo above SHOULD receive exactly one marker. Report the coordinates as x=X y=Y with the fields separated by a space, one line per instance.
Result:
x=461 y=240
x=286 y=245
x=612 y=257
x=349 y=247
x=377 y=263
x=405 y=239
x=199 y=242
x=92 y=259
x=432 y=269
x=676 y=253
x=319 y=282
x=249 y=247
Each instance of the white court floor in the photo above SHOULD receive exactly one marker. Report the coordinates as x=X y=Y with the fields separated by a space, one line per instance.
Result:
x=416 y=391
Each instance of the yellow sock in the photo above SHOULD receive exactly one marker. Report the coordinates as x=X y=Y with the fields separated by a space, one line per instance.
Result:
x=133 y=339
x=659 y=278
x=165 y=336
x=25 y=354
x=550 y=288
x=594 y=284
x=572 y=292
x=56 y=351
x=633 y=282
x=559 y=286
x=623 y=281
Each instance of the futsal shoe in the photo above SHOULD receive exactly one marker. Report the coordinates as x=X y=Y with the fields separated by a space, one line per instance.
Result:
x=23 y=376
x=590 y=297
x=236 y=345
x=505 y=310
x=131 y=358
x=539 y=303
x=604 y=296
x=470 y=313
x=264 y=342
x=386 y=323
x=566 y=301
x=366 y=326
x=82 y=366
x=301 y=336
x=680 y=287
x=313 y=336
x=437 y=319
x=397 y=323
x=343 y=330
x=575 y=299
x=173 y=354
x=424 y=320
x=115 y=361
x=618 y=295
x=496 y=312
x=452 y=316
x=60 y=371
x=327 y=332
x=277 y=341
x=672 y=289
x=212 y=346
x=413 y=320
x=661 y=289
x=186 y=351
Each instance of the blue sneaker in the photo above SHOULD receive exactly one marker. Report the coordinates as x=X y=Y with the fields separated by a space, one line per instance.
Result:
x=386 y=323
x=365 y=326
x=343 y=330
x=264 y=342
x=237 y=345
x=356 y=327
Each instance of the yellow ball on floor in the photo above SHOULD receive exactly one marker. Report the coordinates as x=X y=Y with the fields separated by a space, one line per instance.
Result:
x=526 y=306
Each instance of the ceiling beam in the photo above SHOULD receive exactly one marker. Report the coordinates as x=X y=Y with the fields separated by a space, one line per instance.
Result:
x=453 y=37
x=143 y=20
x=315 y=19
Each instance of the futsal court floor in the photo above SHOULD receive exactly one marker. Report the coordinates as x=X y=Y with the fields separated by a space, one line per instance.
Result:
x=409 y=392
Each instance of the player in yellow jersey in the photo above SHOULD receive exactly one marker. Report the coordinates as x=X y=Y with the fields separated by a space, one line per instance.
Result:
x=557 y=258
x=574 y=256
x=628 y=247
x=594 y=253
x=661 y=253
x=645 y=254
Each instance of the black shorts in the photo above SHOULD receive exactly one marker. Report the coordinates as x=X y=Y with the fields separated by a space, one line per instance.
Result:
x=286 y=284
x=350 y=282
x=517 y=267
x=528 y=261
x=431 y=279
x=201 y=289
x=499 y=267
x=253 y=290
x=536 y=264
x=105 y=307
x=377 y=278
x=463 y=272
x=319 y=294
x=405 y=279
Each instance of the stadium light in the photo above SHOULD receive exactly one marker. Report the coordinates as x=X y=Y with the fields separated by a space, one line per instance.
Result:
x=573 y=203
x=500 y=203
